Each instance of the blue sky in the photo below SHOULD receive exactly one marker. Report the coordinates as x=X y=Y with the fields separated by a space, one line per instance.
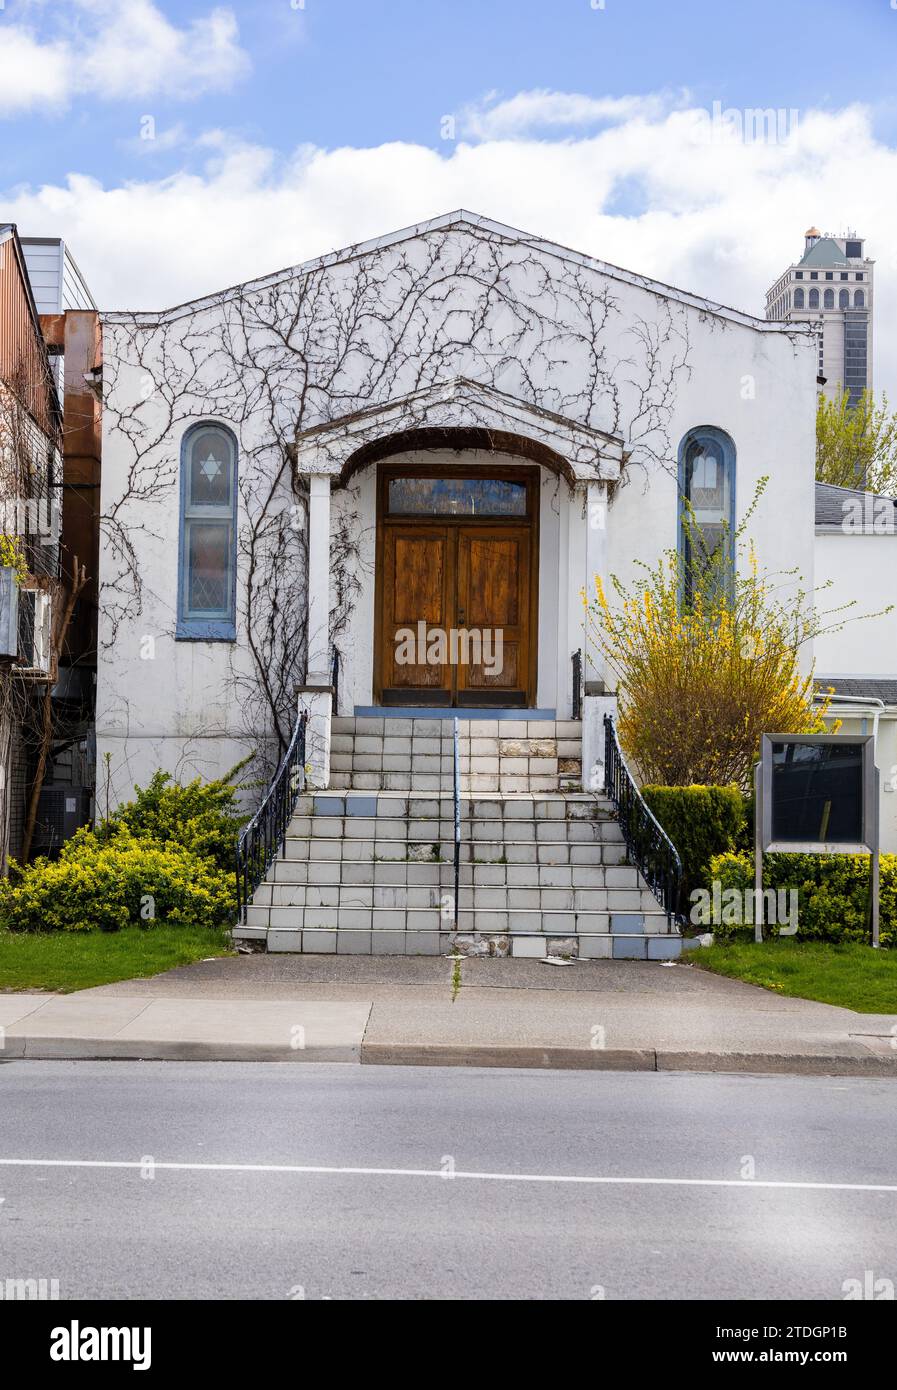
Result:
x=365 y=72
x=280 y=130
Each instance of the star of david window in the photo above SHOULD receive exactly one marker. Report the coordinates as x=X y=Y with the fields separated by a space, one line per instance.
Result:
x=206 y=608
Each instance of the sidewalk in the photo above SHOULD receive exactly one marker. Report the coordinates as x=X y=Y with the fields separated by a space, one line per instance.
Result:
x=620 y=1015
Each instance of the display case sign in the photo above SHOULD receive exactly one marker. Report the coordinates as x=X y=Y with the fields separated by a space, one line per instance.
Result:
x=817 y=794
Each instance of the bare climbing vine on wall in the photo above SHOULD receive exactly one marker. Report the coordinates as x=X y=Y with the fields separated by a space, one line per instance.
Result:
x=276 y=358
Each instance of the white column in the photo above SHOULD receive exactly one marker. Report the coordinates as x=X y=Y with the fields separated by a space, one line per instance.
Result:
x=314 y=696
x=594 y=557
x=318 y=580
x=564 y=680
x=596 y=564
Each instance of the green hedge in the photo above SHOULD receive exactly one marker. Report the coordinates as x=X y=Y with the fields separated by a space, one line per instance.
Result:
x=832 y=892
x=701 y=822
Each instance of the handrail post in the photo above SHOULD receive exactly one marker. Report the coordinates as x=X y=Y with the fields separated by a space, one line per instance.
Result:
x=576 y=662
x=456 y=788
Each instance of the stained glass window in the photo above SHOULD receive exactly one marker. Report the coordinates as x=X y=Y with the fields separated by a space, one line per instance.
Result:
x=456 y=497
x=208 y=540
x=708 y=483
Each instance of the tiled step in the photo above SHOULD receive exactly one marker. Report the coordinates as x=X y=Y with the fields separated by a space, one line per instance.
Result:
x=427 y=916
x=386 y=895
x=412 y=874
x=428 y=727
x=422 y=805
x=434 y=940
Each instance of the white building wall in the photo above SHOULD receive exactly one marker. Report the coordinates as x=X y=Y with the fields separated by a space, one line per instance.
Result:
x=761 y=392
x=658 y=364
x=862 y=571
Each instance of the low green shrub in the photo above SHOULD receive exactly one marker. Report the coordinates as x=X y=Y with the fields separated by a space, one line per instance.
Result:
x=201 y=816
x=832 y=892
x=102 y=882
x=701 y=822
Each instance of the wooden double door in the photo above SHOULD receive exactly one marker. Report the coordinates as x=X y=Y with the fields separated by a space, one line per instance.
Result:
x=456 y=598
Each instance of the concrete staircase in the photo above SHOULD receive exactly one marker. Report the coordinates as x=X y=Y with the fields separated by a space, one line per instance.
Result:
x=497 y=755
x=368 y=865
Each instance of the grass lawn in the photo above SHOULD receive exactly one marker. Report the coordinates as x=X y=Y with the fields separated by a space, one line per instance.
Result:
x=852 y=975
x=66 y=961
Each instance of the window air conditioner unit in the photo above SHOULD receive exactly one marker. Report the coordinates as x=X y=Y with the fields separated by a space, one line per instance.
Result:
x=34 y=631
x=9 y=613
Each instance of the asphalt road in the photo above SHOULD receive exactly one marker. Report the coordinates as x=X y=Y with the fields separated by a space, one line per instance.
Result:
x=687 y=1214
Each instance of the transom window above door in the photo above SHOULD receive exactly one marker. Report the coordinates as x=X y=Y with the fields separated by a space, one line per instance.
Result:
x=465 y=496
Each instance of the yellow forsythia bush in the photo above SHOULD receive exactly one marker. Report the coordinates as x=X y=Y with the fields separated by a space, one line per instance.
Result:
x=106 y=880
x=706 y=657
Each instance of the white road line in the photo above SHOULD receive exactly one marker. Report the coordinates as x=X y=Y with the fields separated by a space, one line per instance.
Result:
x=444 y=1175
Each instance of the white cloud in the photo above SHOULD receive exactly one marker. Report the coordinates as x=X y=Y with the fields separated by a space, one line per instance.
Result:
x=717 y=216
x=527 y=113
x=114 y=50
x=32 y=73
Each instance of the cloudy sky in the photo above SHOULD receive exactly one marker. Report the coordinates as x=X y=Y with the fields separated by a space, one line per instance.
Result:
x=180 y=147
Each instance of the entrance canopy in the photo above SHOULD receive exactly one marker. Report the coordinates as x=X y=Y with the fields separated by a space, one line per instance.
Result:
x=459 y=414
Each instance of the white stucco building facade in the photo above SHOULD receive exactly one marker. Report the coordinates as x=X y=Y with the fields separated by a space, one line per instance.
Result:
x=261 y=446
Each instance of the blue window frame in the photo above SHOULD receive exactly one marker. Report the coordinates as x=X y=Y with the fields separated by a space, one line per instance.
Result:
x=707 y=498
x=207 y=547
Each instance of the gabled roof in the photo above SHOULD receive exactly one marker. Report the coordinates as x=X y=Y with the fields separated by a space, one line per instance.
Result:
x=473 y=222
x=824 y=252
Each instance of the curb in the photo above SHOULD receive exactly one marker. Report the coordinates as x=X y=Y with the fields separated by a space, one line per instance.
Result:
x=526 y=1057
x=622 y=1059
x=111 y=1050
x=478 y=1055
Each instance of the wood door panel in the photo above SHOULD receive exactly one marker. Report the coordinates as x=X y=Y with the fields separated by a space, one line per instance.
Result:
x=417 y=566
x=419 y=580
x=494 y=607
x=493 y=591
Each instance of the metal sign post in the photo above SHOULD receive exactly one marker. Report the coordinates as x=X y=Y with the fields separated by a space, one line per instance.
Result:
x=758 y=852
x=874 y=867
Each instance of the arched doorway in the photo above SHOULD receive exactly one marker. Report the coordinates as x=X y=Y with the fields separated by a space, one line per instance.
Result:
x=456 y=601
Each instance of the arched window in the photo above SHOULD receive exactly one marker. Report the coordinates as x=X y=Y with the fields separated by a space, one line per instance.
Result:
x=814 y=299
x=798 y=299
x=844 y=299
x=706 y=500
x=829 y=299
x=859 y=300
x=208 y=536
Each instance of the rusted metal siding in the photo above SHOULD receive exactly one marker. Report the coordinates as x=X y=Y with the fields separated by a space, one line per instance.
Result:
x=23 y=358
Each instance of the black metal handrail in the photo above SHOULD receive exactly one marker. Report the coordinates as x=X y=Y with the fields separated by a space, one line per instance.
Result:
x=334 y=681
x=576 y=661
x=649 y=846
x=456 y=791
x=262 y=839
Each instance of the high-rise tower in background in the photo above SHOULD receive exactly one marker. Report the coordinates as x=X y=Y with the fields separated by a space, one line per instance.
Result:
x=831 y=286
